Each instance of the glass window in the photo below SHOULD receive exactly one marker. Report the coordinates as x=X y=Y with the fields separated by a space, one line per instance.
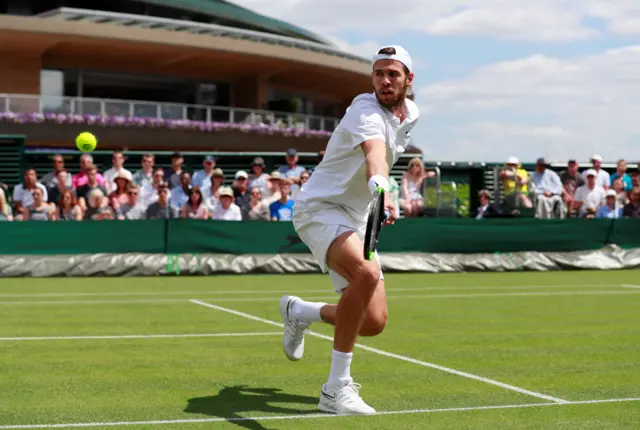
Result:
x=52 y=89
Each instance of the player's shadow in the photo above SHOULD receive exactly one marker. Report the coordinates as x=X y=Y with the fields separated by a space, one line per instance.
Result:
x=231 y=402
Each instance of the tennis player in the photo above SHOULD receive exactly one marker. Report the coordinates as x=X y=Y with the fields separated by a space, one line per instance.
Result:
x=330 y=216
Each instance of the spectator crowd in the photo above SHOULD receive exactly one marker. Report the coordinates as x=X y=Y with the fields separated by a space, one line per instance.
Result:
x=152 y=192
x=592 y=193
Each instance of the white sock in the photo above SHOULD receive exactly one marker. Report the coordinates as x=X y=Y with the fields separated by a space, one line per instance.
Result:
x=340 y=367
x=307 y=311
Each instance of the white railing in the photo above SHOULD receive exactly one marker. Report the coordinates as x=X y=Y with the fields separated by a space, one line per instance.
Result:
x=28 y=104
x=143 y=21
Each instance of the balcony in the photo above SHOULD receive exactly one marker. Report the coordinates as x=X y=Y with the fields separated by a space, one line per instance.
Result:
x=26 y=109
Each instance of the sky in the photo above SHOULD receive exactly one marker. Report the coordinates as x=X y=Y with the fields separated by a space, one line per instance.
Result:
x=557 y=79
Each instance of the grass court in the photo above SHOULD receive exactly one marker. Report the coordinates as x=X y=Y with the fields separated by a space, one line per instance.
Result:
x=477 y=350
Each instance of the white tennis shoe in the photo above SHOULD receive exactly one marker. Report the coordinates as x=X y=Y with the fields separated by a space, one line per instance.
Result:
x=294 y=329
x=343 y=399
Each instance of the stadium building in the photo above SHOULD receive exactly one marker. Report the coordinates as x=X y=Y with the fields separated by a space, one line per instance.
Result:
x=161 y=74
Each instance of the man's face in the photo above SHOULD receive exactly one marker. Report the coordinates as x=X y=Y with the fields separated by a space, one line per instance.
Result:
x=62 y=178
x=390 y=82
x=177 y=162
x=622 y=166
x=117 y=160
x=158 y=177
x=292 y=159
x=591 y=180
x=483 y=199
x=209 y=166
x=30 y=177
x=573 y=168
x=226 y=201
x=162 y=195
x=285 y=189
x=596 y=164
x=541 y=168
x=92 y=176
x=611 y=201
x=185 y=180
x=242 y=182
x=133 y=196
x=58 y=163
x=147 y=163
x=84 y=162
x=634 y=197
x=617 y=185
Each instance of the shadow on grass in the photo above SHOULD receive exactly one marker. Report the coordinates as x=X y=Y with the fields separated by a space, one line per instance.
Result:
x=230 y=402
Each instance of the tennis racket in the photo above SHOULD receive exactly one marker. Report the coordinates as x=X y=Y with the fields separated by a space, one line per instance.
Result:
x=375 y=220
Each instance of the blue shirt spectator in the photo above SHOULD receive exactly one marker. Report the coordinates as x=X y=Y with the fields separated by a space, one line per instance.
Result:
x=202 y=178
x=292 y=170
x=281 y=211
x=178 y=197
x=621 y=173
x=607 y=212
x=546 y=181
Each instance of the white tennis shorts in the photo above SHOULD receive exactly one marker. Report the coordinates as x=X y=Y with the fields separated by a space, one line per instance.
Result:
x=318 y=225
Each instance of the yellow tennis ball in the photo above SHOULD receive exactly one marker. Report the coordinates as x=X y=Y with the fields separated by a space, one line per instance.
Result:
x=86 y=142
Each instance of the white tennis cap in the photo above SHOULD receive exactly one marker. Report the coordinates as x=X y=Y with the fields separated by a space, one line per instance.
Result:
x=395 y=52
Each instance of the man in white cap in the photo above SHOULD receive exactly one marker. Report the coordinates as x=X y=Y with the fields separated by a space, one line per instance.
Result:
x=603 y=179
x=589 y=197
x=330 y=213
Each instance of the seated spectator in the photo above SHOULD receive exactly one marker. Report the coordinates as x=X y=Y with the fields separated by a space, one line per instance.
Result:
x=68 y=208
x=292 y=170
x=149 y=193
x=304 y=177
x=273 y=190
x=282 y=210
x=40 y=210
x=240 y=189
x=180 y=195
x=144 y=176
x=515 y=183
x=617 y=185
x=5 y=210
x=119 y=194
x=258 y=177
x=50 y=180
x=571 y=181
x=90 y=185
x=60 y=185
x=412 y=188
x=203 y=179
x=603 y=179
x=548 y=190
x=621 y=173
x=96 y=209
x=23 y=193
x=227 y=210
x=218 y=181
x=632 y=209
x=486 y=208
x=161 y=208
x=589 y=197
x=80 y=179
x=173 y=173
x=609 y=209
x=117 y=171
x=195 y=208
x=132 y=209
x=256 y=209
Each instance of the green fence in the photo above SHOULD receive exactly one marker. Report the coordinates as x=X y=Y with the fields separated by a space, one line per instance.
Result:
x=439 y=235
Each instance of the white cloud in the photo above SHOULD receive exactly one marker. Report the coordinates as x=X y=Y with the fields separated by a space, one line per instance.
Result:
x=540 y=20
x=541 y=106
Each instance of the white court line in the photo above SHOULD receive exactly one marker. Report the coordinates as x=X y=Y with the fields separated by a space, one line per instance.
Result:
x=629 y=286
x=305 y=416
x=334 y=296
x=242 y=292
x=139 y=336
x=389 y=354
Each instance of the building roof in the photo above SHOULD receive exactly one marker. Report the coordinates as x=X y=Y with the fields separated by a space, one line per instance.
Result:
x=229 y=11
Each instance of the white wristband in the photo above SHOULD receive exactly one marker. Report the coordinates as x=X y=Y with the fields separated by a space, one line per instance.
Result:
x=378 y=181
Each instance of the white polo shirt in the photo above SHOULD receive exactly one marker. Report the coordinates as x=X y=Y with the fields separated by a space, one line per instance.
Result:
x=340 y=178
x=24 y=196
